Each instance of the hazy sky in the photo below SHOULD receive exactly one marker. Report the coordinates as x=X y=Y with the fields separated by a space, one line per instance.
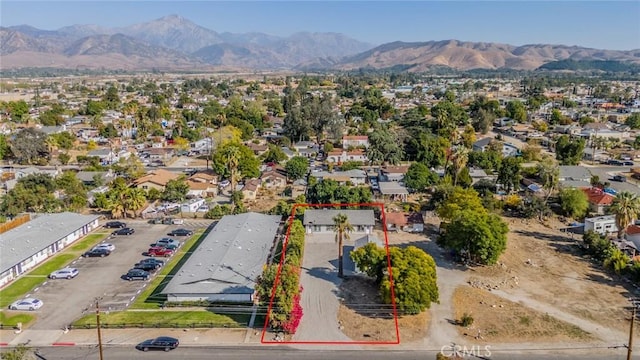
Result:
x=598 y=24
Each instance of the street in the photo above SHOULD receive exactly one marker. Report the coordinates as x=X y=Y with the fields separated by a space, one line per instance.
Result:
x=287 y=353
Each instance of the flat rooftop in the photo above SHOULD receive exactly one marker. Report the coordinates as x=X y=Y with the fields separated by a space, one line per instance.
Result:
x=230 y=258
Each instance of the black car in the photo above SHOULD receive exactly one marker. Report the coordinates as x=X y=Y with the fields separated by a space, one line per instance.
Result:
x=181 y=232
x=115 y=225
x=125 y=231
x=160 y=343
x=97 y=252
x=148 y=267
x=155 y=262
x=136 y=274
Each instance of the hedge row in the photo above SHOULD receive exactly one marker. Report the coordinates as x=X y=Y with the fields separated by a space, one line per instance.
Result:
x=286 y=311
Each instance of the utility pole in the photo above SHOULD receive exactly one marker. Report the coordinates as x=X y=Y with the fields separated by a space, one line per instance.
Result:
x=633 y=317
x=98 y=327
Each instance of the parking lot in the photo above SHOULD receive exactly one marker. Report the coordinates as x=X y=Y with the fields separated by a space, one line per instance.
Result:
x=67 y=300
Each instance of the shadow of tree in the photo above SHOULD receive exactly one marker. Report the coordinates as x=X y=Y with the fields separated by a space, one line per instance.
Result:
x=361 y=294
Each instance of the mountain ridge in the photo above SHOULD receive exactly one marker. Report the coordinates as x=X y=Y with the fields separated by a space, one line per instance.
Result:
x=175 y=40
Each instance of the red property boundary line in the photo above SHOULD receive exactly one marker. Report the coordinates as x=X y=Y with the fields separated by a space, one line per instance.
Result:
x=277 y=279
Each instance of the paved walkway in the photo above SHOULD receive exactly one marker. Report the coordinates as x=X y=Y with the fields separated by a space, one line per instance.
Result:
x=320 y=282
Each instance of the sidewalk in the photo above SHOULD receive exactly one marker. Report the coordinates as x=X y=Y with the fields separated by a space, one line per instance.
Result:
x=81 y=337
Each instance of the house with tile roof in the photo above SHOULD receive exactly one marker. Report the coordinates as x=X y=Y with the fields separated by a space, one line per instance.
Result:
x=156 y=179
x=402 y=221
x=599 y=200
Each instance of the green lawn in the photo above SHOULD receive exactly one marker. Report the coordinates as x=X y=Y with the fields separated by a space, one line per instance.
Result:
x=151 y=298
x=88 y=241
x=37 y=276
x=12 y=321
x=163 y=318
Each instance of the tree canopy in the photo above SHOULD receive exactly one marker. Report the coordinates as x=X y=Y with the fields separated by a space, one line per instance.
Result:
x=413 y=272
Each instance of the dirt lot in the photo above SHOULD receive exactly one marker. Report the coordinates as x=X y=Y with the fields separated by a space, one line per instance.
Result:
x=547 y=265
x=541 y=271
x=364 y=319
x=497 y=319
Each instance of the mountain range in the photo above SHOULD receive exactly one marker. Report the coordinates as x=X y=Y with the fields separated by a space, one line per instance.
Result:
x=175 y=43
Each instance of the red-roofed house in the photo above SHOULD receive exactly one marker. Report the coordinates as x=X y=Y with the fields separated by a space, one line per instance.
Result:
x=410 y=222
x=598 y=200
x=633 y=234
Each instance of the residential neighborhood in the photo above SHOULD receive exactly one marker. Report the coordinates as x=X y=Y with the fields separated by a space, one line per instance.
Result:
x=270 y=202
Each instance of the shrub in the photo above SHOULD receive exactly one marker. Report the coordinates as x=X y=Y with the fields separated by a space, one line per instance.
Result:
x=466 y=320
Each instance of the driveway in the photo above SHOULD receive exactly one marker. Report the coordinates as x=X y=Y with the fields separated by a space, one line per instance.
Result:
x=320 y=282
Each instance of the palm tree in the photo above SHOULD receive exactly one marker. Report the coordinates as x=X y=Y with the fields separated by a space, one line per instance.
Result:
x=460 y=158
x=135 y=200
x=626 y=207
x=342 y=227
x=232 y=155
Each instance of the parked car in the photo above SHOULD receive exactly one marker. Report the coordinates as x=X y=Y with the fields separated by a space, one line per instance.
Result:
x=156 y=262
x=180 y=232
x=620 y=178
x=138 y=274
x=66 y=273
x=628 y=163
x=115 y=225
x=160 y=343
x=224 y=183
x=203 y=208
x=159 y=251
x=30 y=304
x=107 y=246
x=156 y=221
x=168 y=243
x=172 y=221
x=125 y=231
x=97 y=252
x=148 y=267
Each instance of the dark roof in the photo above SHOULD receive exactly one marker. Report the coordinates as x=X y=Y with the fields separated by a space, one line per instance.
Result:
x=325 y=216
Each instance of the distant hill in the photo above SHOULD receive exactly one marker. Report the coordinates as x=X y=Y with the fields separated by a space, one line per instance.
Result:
x=166 y=40
x=174 y=42
x=420 y=56
x=586 y=65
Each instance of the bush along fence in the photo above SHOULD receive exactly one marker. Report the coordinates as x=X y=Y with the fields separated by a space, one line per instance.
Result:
x=286 y=311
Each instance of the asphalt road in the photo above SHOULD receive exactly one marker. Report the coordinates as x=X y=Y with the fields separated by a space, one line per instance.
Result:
x=605 y=173
x=276 y=352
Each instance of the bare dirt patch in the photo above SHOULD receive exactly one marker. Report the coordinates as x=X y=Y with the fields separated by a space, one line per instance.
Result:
x=497 y=319
x=265 y=201
x=364 y=317
x=548 y=265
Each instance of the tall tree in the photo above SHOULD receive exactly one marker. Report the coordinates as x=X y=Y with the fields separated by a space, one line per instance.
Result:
x=384 y=147
x=626 y=207
x=459 y=161
x=569 y=151
x=29 y=146
x=509 y=173
x=549 y=174
x=342 y=228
